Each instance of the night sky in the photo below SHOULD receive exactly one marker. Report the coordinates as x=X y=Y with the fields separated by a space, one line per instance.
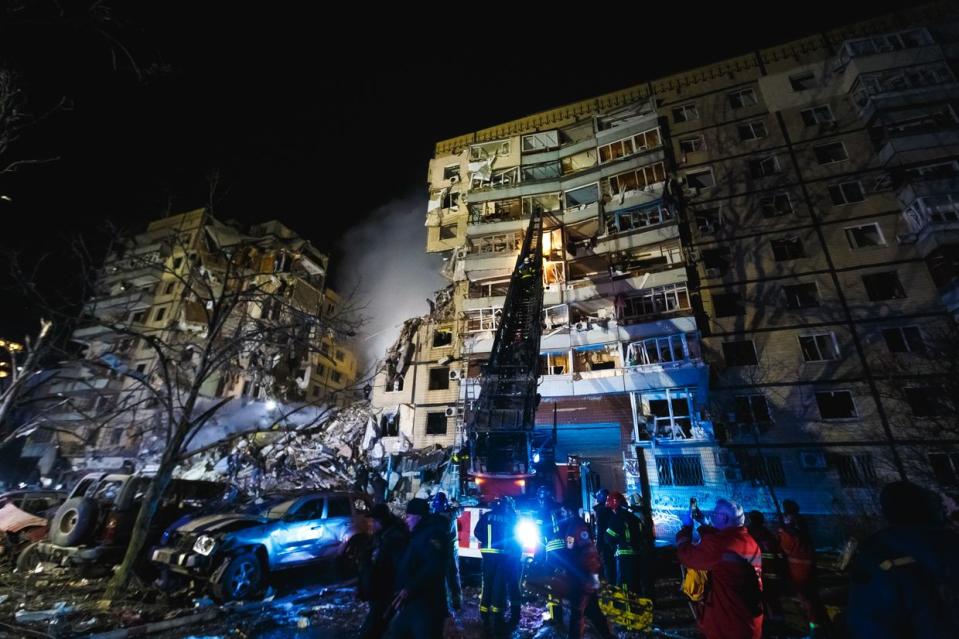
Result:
x=321 y=121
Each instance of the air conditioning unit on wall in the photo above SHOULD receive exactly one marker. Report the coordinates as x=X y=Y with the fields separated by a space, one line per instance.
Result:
x=455 y=374
x=453 y=411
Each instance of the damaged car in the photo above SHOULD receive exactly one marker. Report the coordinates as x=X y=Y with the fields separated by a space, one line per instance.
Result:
x=92 y=528
x=234 y=553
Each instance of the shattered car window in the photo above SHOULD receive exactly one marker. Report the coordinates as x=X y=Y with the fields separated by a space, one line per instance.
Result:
x=106 y=490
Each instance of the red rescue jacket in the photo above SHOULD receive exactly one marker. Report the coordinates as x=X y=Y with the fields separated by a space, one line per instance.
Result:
x=733 y=605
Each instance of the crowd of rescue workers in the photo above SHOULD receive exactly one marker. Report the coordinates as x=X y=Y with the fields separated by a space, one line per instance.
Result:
x=737 y=571
x=903 y=579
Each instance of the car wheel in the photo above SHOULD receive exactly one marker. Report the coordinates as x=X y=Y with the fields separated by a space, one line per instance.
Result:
x=29 y=557
x=238 y=577
x=73 y=521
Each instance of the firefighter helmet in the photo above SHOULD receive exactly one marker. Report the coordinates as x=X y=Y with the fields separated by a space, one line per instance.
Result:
x=615 y=500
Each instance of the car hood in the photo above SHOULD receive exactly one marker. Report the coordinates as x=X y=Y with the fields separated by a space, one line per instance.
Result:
x=214 y=523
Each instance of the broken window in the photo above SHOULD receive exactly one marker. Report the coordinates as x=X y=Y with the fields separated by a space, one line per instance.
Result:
x=819 y=348
x=336 y=376
x=692 y=144
x=945 y=468
x=836 y=405
x=885 y=43
x=450 y=171
x=169 y=288
x=904 y=339
x=719 y=258
x=856 y=471
x=788 y=248
x=638 y=179
x=390 y=424
x=764 y=166
x=883 y=286
x=543 y=171
x=679 y=470
x=754 y=130
x=934 y=171
x=727 y=304
x=578 y=162
x=740 y=353
x=644 y=258
x=709 y=220
x=752 y=409
x=803 y=81
x=448 y=232
x=658 y=350
x=177 y=263
x=582 y=196
x=742 y=98
x=436 y=423
x=442 y=337
x=496 y=243
x=542 y=141
x=804 y=295
x=830 y=153
x=628 y=146
x=159 y=314
x=488 y=289
x=685 y=113
x=636 y=217
x=596 y=357
x=927 y=401
x=495 y=211
x=138 y=317
x=864 y=235
x=556 y=316
x=439 y=378
x=547 y=203
x=846 y=193
x=775 y=205
x=484 y=319
x=652 y=301
x=450 y=200
x=817 y=115
x=553 y=363
x=700 y=179
x=479 y=152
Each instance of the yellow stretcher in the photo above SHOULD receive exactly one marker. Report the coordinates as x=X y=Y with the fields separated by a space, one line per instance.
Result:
x=625 y=608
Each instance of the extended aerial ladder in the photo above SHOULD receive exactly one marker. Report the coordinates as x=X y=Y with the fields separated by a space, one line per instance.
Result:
x=500 y=425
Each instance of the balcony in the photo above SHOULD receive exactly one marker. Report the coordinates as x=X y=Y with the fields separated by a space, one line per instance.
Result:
x=125 y=301
x=934 y=219
x=918 y=147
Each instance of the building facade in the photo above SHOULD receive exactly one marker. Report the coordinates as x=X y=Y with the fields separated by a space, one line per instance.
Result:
x=97 y=411
x=751 y=269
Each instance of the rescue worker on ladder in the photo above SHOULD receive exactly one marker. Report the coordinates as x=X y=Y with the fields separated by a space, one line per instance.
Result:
x=494 y=531
x=624 y=536
x=580 y=563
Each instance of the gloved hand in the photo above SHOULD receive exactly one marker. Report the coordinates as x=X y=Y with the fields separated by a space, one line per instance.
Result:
x=686 y=518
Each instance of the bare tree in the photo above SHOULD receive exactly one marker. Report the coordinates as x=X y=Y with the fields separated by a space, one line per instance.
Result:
x=245 y=319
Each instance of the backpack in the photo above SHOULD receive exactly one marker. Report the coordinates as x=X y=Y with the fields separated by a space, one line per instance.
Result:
x=694 y=584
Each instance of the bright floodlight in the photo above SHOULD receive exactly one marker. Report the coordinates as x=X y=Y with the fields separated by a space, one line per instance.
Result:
x=527 y=533
x=535 y=458
x=270 y=404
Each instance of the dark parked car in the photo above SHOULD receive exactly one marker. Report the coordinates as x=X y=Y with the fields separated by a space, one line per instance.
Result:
x=42 y=503
x=94 y=525
x=233 y=552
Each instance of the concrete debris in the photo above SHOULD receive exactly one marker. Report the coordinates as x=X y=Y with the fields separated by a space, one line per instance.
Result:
x=331 y=454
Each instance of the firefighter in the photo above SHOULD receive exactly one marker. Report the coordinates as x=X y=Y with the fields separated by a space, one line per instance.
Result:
x=379 y=569
x=624 y=535
x=580 y=561
x=420 y=602
x=493 y=531
x=555 y=544
x=601 y=518
x=447 y=518
x=512 y=564
x=773 y=573
x=797 y=545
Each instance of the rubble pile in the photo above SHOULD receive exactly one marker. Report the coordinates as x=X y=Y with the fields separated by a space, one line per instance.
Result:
x=331 y=454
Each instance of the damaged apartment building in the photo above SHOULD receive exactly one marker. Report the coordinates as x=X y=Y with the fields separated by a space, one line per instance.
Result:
x=751 y=271
x=96 y=412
